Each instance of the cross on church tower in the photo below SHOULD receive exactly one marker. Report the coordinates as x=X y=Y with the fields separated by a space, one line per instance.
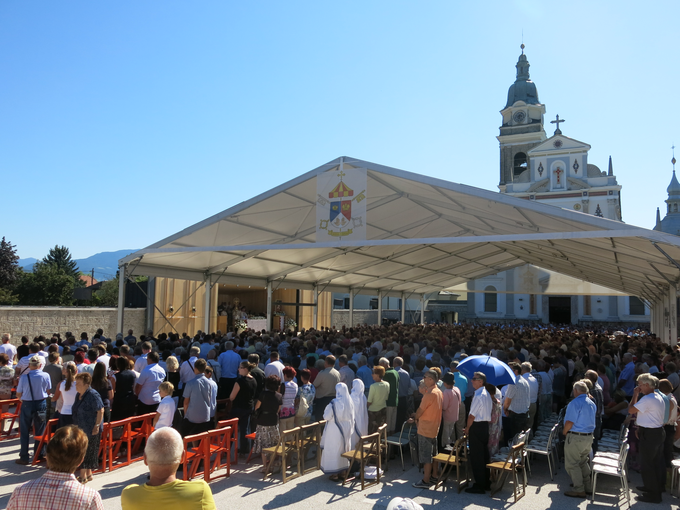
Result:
x=557 y=121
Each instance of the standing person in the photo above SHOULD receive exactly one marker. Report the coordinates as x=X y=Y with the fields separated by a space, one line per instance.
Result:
x=242 y=400
x=288 y=395
x=147 y=385
x=88 y=415
x=360 y=411
x=651 y=411
x=627 y=378
x=579 y=424
x=267 y=409
x=516 y=404
x=58 y=489
x=559 y=384
x=365 y=373
x=346 y=373
x=378 y=394
x=533 y=393
x=67 y=392
x=451 y=403
x=545 y=400
x=477 y=430
x=167 y=407
x=6 y=385
x=404 y=390
x=391 y=378
x=197 y=399
x=209 y=374
x=495 y=427
x=124 y=398
x=337 y=434
x=7 y=348
x=186 y=369
x=142 y=361
x=54 y=370
x=163 y=455
x=33 y=389
x=598 y=397
x=306 y=392
x=428 y=417
x=325 y=384
x=274 y=367
x=102 y=385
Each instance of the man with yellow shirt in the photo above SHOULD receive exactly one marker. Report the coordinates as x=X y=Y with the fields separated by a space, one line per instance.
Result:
x=163 y=455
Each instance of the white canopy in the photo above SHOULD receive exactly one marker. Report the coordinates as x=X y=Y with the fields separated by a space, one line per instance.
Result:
x=423 y=235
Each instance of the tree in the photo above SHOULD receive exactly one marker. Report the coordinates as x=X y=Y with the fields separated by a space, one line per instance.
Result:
x=60 y=257
x=9 y=265
x=47 y=285
x=108 y=294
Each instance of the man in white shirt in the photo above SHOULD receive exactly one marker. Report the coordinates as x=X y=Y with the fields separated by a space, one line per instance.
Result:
x=7 y=348
x=186 y=371
x=650 y=410
x=533 y=393
x=477 y=430
x=141 y=362
x=275 y=367
x=103 y=357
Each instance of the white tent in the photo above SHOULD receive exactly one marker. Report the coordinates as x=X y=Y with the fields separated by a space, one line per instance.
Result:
x=419 y=235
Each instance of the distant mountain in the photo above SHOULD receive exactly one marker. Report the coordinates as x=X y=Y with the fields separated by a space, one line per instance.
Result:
x=105 y=264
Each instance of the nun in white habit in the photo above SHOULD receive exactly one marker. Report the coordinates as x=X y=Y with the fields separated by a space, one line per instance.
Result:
x=337 y=435
x=360 y=411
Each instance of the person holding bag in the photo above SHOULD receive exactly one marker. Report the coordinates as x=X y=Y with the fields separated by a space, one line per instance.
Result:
x=305 y=399
x=33 y=388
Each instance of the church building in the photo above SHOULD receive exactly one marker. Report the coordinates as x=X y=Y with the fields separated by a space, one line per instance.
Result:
x=554 y=170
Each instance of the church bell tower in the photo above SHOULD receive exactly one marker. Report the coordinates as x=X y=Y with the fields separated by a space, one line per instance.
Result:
x=522 y=127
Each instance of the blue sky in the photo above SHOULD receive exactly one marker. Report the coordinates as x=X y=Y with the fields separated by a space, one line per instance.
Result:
x=124 y=122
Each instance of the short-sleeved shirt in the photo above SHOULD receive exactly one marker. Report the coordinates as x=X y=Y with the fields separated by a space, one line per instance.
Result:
x=229 y=362
x=451 y=401
x=431 y=404
x=167 y=412
x=461 y=382
x=150 y=379
x=392 y=378
x=581 y=412
x=533 y=387
x=199 y=392
x=628 y=374
x=6 y=381
x=325 y=382
x=651 y=409
x=40 y=382
x=377 y=395
x=481 y=405
x=177 y=495
x=10 y=350
x=520 y=393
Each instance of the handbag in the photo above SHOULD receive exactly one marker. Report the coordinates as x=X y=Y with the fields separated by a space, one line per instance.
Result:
x=303 y=407
x=42 y=415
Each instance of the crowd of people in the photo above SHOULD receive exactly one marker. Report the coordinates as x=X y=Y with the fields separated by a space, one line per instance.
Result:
x=357 y=379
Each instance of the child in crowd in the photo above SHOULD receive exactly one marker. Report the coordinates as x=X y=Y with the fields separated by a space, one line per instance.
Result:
x=166 y=409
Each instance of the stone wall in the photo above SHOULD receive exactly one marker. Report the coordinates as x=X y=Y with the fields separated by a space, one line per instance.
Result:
x=46 y=320
x=340 y=318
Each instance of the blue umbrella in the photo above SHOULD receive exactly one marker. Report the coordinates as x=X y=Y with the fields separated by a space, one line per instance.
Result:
x=496 y=372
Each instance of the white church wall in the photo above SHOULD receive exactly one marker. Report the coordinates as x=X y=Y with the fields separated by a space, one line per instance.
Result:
x=600 y=307
x=499 y=283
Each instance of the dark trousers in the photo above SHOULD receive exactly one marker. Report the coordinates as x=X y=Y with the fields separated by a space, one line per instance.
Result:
x=146 y=408
x=32 y=412
x=652 y=464
x=243 y=416
x=320 y=406
x=402 y=412
x=225 y=387
x=479 y=452
x=517 y=422
x=668 y=446
x=597 y=433
x=190 y=428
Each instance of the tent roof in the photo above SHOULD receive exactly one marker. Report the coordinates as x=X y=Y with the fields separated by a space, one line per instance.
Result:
x=423 y=235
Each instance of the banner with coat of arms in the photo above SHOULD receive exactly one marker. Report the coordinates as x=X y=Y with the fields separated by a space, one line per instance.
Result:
x=341 y=205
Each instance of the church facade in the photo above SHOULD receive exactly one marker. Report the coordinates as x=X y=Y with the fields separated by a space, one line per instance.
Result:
x=554 y=170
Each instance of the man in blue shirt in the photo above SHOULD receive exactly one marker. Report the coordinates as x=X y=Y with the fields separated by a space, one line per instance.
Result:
x=579 y=424
x=229 y=361
x=33 y=388
x=365 y=374
x=197 y=402
x=627 y=377
x=147 y=385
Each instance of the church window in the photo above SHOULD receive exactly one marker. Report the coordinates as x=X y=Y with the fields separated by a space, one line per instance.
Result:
x=675 y=207
x=490 y=299
x=587 y=305
x=520 y=164
x=636 y=306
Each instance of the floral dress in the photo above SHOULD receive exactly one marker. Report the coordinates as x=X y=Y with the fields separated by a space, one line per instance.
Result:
x=495 y=425
x=308 y=392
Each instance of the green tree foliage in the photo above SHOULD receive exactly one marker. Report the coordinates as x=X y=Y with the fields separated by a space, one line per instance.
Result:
x=60 y=257
x=47 y=285
x=108 y=294
x=9 y=265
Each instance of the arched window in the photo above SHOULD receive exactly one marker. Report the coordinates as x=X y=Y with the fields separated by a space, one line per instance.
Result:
x=490 y=299
x=520 y=164
x=636 y=306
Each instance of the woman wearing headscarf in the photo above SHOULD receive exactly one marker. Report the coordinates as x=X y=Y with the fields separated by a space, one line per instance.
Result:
x=360 y=412
x=337 y=435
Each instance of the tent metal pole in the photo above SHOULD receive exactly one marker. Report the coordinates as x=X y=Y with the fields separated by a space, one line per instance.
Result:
x=351 y=308
x=403 y=307
x=269 y=306
x=208 y=302
x=121 y=298
x=380 y=307
x=315 y=310
x=422 y=309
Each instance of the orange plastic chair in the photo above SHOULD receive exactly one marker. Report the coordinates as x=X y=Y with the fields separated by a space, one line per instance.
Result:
x=219 y=453
x=233 y=423
x=195 y=457
x=252 y=438
x=50 y=428
x=135 y=431
x=14 y=416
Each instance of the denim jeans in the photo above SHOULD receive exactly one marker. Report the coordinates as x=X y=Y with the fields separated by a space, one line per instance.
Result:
x=30 y=410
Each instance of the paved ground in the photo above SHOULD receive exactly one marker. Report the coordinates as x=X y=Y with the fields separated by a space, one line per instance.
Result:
x=246 y=490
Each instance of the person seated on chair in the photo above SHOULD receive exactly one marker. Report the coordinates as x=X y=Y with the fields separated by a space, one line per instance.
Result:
x=58 y=489
x=163 y=455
